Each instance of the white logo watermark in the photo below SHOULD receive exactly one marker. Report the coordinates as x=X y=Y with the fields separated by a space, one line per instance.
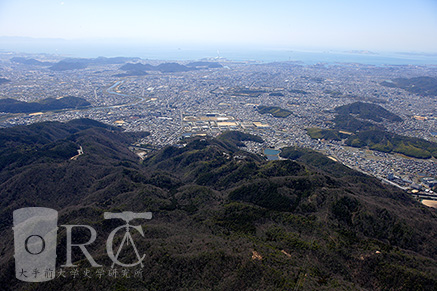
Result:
x=35 y=236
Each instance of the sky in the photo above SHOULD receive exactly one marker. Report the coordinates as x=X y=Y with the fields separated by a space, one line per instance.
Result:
x=380 y=25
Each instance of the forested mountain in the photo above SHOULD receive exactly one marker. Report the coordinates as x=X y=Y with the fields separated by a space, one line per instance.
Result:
x=356 y=124
x=425 y=86
x=223 y=218
x=10 y=105
x=275 y=111
x=368 y=111
x=82 y=63
x=30 y=61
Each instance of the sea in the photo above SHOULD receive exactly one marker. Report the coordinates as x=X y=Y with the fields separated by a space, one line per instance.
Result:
x=181 y=53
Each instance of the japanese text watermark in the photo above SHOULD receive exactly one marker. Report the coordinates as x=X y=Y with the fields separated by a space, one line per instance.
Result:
x=35 y=237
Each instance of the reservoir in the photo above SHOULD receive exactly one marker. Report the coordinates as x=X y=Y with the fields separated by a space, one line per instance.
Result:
x=272 y=154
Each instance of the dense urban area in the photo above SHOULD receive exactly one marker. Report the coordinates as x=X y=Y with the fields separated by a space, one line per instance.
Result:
x=174 y=101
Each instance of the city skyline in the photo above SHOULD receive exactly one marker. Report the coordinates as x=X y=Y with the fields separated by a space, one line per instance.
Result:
x=371 y=25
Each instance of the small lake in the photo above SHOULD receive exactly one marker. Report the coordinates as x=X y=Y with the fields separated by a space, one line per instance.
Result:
x=272 y=154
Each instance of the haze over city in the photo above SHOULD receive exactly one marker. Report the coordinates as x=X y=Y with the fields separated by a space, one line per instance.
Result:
x=339 y=25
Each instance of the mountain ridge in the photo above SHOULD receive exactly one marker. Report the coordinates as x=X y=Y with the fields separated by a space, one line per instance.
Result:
x=10 y=105
x=222 y=217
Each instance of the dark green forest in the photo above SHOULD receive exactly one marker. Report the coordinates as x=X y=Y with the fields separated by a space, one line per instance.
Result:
x=426 y=86
x=368 y=111
x=384 y=141
x=360 y=121
x=10 y=105
x=223 y=218
x=275 y=111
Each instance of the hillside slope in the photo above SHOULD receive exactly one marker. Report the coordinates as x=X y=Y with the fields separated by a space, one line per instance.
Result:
x=223 y=218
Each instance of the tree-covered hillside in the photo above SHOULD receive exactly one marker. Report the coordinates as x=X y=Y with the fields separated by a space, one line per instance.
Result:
x=425 y=86
x=223 y=218
x=10 y=105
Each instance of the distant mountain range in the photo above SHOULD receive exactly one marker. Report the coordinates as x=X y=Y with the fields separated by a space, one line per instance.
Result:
x=15 y=106
x=30 y=61
x=223 y=218
x=80 y=63
x=73 y=63
x=132 y=69
x=138 y=69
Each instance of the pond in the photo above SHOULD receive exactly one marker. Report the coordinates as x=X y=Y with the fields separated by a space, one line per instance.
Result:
x=272 y=154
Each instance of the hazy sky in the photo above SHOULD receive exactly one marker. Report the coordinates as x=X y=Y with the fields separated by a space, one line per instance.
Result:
x=397 y=25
